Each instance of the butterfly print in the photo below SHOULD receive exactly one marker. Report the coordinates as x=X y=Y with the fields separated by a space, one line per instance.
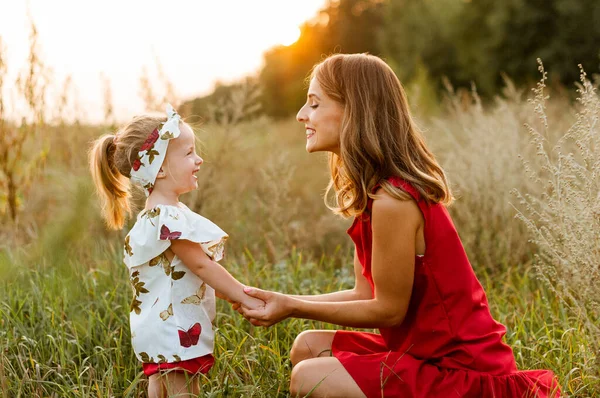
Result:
x=164 y=315
x=176 y=275
x=149 y=143
x=137 y=164
x=149 y=186
x=167 y=135
x=191 y=337
x=152 y=213
x=196 y=298
x=167 y=267
x=151 y=154
x=217 y=247
x=138 y=287
x=128 y=248
x=166 y=234
x=146 y=358
x=135 y=306
x=162 y=260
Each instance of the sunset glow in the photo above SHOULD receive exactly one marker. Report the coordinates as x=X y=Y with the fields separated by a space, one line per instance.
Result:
x=289 y=37
x=196 y=43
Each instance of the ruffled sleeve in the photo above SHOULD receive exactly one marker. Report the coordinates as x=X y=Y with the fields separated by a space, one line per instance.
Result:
x=156 y=228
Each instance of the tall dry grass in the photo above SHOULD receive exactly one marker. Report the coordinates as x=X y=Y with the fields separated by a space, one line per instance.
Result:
x=480 y=147
x=564 y=217
x=22 y=150
x=64 y=292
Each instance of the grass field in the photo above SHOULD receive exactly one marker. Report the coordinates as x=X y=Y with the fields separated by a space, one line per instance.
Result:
x=64 y=292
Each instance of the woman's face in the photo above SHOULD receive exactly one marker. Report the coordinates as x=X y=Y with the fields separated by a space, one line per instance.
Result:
x=322 y=117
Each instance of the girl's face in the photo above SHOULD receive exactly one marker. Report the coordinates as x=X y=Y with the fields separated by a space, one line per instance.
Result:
x=322 y=117
x=181 y=163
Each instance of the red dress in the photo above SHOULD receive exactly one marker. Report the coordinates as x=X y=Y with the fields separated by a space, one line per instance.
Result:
x=448 y=344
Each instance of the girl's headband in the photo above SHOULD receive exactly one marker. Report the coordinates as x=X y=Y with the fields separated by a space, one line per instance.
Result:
x=152 y=153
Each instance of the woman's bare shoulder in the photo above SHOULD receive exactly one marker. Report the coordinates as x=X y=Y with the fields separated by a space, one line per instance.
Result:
x=387 y=207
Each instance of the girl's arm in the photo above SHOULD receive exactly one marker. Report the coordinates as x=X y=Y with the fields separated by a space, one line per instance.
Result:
x=394 y=224
x=361 y=290
x=212 y=273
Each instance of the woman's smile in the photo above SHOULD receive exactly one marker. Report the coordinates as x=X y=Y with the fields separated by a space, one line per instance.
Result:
x=309 y=132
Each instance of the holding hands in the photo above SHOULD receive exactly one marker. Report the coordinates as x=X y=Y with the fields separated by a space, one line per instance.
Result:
x=247 y=303
x=273 y=308
x=277 y=307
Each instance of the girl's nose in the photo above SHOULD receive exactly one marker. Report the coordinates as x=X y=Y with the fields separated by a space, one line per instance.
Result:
x=200 y=160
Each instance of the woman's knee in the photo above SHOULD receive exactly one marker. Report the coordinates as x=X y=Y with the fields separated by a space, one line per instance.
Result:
x=323 y=377
x=300 y=349
x=298 y=381
x=311 y=344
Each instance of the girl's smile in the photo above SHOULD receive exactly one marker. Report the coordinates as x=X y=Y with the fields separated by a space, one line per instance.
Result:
x=178 y=174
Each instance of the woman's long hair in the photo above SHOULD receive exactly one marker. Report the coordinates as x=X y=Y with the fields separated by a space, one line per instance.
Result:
x=379 y=138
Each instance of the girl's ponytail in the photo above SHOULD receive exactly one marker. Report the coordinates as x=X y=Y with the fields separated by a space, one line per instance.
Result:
x=111 y=185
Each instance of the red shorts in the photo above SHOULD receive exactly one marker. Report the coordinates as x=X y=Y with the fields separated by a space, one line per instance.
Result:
x=193 y=366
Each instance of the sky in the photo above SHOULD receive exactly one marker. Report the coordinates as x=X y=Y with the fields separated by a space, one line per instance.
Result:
x=196 y=43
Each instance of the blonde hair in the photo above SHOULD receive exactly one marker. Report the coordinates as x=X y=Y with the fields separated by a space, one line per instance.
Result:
x=379 y=138
x=111 y=158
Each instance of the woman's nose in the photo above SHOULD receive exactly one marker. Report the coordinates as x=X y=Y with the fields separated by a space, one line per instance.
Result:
x=301 y=117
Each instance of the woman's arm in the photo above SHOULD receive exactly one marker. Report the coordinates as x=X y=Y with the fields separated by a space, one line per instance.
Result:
x=361 y=290
x=212 y=273
x=394 y=224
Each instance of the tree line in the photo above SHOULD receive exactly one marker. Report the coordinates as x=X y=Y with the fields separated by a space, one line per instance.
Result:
x=465 y=41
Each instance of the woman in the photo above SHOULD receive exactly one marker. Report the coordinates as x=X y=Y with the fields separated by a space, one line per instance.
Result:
x=413 y=280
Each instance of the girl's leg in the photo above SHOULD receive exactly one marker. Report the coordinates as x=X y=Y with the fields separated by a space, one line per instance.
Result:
x=154 y=386
x=311 y=344
x=181 y=384
x=323 y=377
x=174 y=384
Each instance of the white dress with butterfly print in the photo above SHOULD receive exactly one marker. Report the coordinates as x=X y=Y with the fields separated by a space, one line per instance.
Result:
x=172 y=309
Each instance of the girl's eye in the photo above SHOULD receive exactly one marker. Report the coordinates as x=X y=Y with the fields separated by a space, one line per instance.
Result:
x=315 y=106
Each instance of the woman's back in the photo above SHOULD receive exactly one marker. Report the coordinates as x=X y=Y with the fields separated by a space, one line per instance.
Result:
x=448 y=327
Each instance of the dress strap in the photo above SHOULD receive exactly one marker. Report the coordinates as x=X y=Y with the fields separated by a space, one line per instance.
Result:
x=412 y=191
x=402 y=183
x=370 y=200
x=399 y=182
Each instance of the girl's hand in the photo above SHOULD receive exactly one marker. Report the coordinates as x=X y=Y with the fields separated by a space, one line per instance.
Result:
x=277 y=307
x=250 y=303
x=234 y=304
x=237 y=305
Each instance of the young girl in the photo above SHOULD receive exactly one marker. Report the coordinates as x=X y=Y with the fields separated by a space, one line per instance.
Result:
x=413 y=280
x=171 y=252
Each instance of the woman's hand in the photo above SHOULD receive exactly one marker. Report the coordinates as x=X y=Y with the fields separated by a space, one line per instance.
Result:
x=249 y=303
x=277 y=307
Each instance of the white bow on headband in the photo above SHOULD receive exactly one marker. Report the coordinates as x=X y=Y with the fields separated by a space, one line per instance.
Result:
x=153 y=151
